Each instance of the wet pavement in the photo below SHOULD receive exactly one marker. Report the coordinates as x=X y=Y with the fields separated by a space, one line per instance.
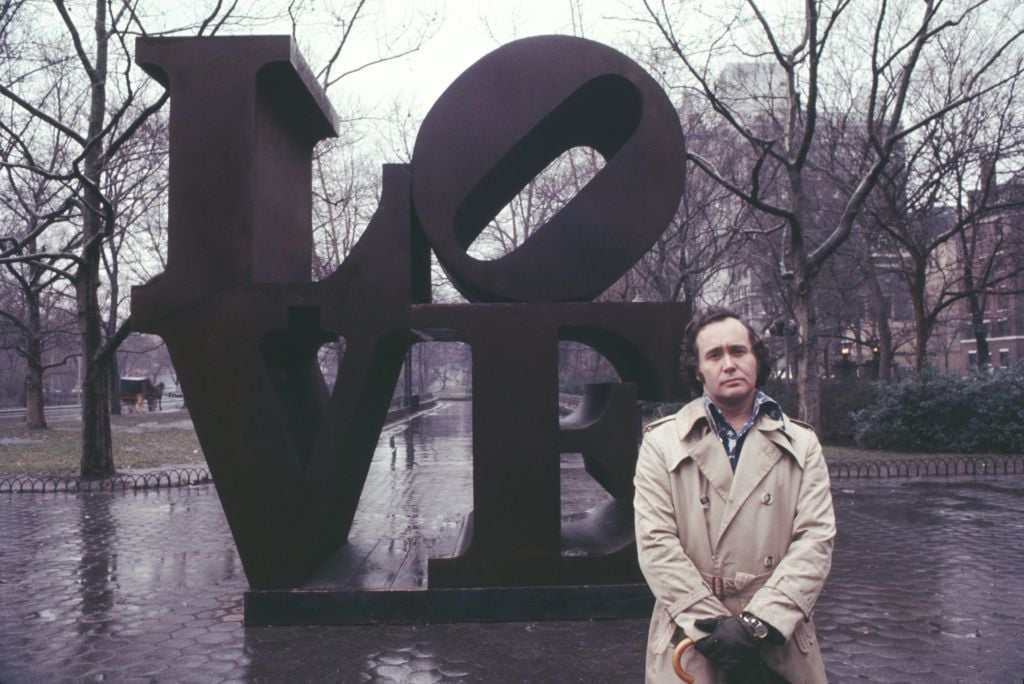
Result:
x=146 y=586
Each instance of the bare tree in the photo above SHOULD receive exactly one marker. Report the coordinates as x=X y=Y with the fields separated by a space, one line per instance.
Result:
x=704 y=242
x=93 y=67
x=346 y=182
x=135 y=183
x=801 y=59
x=36 y=209
x=949 y=238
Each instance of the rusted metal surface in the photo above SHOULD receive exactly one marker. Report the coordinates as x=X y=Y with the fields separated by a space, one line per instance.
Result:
x=502 y=122
x=243 y=320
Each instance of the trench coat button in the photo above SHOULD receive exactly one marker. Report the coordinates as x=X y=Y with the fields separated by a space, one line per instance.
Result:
x=767 y=498
x=769 y=561
x=705 y=501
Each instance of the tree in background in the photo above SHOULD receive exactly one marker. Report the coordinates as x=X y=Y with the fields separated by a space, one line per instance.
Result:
x=114 y=171
x=53 y=60
x=135 y=185
x=33 y=278
x=806 y=63
x=940 y=213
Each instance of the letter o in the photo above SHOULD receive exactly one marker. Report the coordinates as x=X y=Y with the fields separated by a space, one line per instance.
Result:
x=502 y=122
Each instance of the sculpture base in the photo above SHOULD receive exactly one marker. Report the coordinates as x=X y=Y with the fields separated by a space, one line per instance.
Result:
x=384 y=580
x=486 y=604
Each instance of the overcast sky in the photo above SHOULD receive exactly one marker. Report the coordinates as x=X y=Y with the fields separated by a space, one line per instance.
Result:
x=467 y=30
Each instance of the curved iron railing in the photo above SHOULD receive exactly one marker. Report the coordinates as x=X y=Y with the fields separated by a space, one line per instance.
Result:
x=1009 y=464
x=988 y=464
x=178 y=477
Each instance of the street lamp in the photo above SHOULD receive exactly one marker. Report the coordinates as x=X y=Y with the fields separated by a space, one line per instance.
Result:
x=845 y=364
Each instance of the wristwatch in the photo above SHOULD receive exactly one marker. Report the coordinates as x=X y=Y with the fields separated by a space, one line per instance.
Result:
x=759 y=629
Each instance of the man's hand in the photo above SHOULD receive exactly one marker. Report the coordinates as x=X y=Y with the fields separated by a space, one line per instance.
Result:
x=731 y=646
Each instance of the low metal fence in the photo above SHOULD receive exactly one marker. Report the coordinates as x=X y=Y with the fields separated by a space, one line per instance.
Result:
x=1010 y=464
x=989 y=464
x=179 y=477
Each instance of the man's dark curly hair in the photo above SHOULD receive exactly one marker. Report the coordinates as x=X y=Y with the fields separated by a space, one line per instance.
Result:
x=689 y=361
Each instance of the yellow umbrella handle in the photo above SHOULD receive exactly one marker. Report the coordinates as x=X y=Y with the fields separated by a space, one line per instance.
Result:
x=677 y=657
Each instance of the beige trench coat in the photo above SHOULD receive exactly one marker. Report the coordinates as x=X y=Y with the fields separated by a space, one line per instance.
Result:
x=762 y=536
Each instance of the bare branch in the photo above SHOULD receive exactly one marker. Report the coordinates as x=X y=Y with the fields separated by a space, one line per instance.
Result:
x=324 y=75
x=388 y=58
x=36 y=260
x=105 y=352
x=40 y=114
x=76 y=40
x=708 y=168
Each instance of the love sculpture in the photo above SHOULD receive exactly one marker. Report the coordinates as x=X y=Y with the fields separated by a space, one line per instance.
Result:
x=243 y=320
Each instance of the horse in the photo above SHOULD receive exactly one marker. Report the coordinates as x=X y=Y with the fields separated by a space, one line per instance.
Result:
x=135 y=391
x=154 y=396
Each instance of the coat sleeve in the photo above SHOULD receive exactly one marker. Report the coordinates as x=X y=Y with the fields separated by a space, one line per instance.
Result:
x=673 y=578
x=789 y=595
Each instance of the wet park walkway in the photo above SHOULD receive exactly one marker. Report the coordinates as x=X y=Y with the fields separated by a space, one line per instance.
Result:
x=146 y=586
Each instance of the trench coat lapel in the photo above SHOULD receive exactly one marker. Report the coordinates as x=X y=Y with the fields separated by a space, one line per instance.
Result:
x=758 y=456
x=709 y=454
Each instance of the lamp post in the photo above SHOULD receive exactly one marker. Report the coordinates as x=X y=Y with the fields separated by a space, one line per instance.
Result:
x=845 y=364
x=876 y=354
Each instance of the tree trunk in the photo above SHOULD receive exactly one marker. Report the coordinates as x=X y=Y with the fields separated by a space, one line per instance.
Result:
x=808 y=378
x=35 y=416
x=923 y=325
x=808 y=382
x=968 y=252
x=115 y=373
x=97 y=453
x=980 y=333
x=885 y=347
x=881 y=314
x=920 y=351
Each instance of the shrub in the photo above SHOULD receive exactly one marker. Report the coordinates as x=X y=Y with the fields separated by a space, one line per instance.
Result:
x=935 y=412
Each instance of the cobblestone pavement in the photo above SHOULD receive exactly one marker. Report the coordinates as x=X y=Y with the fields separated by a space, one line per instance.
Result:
x=147 y=587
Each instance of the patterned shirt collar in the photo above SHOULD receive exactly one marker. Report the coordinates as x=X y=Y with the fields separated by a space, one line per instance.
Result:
x=733 y=440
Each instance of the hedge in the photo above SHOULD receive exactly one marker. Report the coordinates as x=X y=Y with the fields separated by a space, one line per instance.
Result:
x=939 y=413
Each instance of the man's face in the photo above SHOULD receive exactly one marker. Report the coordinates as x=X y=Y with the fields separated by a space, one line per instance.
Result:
x=727 y=365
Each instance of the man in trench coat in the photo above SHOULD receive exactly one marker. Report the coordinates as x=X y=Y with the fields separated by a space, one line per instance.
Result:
x=734 y=521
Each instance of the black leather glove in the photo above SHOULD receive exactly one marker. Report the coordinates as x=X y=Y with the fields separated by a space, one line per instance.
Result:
x=731 y=645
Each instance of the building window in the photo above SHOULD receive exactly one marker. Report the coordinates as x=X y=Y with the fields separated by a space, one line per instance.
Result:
x=968 y=333
x=1004 y=358
x=1002 y=329
x=972 y=360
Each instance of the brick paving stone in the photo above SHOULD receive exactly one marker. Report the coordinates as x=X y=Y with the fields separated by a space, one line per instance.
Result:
x=146 y=586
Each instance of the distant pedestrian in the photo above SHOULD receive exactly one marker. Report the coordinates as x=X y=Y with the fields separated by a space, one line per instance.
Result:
x=734 y=521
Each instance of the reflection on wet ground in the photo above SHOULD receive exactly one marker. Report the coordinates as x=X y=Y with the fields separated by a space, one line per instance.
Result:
x=147 y=586
x=418 y=492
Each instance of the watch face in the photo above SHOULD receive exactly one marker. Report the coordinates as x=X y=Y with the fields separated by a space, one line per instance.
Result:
x=759 y=628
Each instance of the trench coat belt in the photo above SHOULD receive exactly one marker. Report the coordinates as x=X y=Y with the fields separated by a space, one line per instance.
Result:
x=729 y=586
